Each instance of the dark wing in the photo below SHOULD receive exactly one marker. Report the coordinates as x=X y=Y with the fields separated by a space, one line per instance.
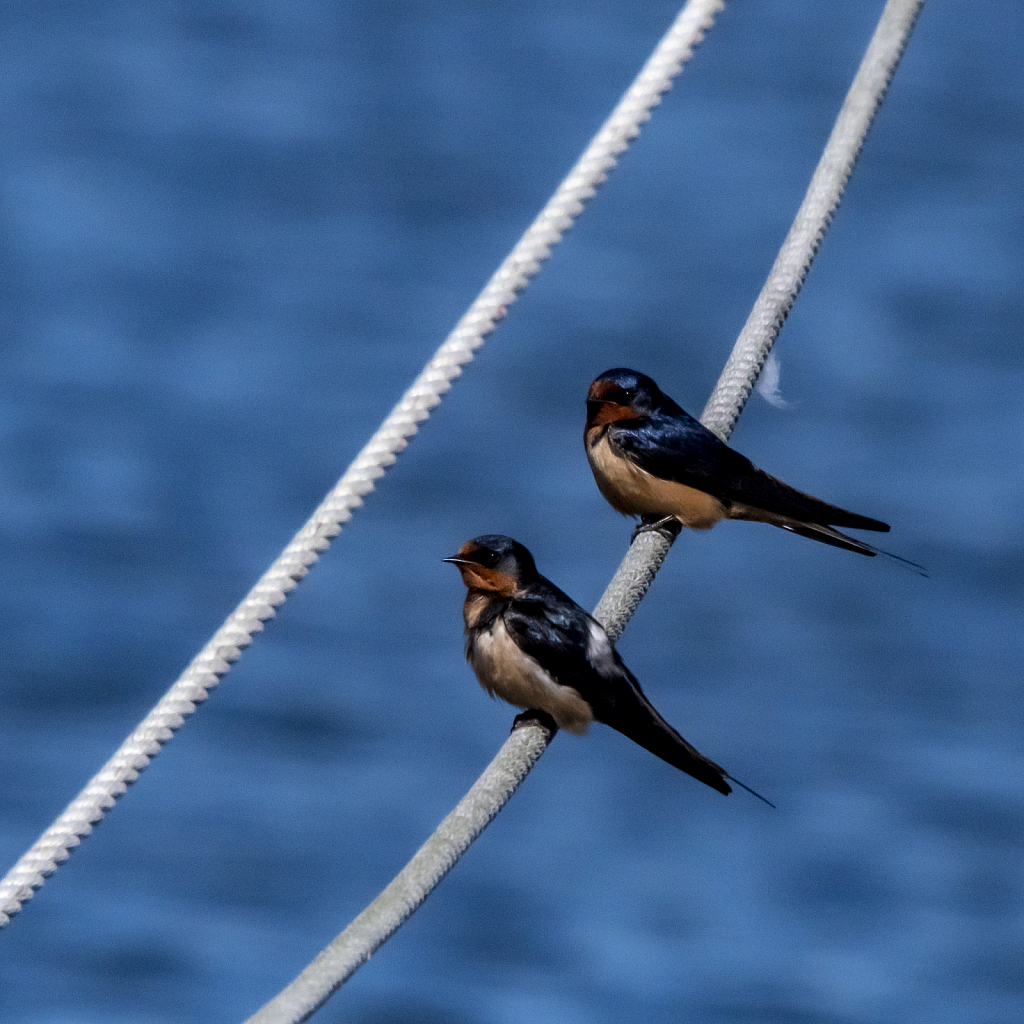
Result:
x=672 y=445
x=575 y=650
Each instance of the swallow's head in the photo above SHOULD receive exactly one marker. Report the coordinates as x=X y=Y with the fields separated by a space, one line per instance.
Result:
x=621 y=394
x=494 y=563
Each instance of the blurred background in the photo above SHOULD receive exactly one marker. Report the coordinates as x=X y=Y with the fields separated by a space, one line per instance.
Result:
x=232 y=234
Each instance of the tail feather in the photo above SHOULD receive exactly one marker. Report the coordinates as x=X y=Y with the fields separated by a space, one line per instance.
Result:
x=822 y=531
x=853 y=521
x=648 y=729
x=626 y=709
x=680 y=754
x=829 y=536
x=667 y=744
x=762 y=496
x=752 y=792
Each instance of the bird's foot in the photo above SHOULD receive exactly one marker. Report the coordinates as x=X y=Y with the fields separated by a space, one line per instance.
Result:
x=535 y=717
x=667 y=526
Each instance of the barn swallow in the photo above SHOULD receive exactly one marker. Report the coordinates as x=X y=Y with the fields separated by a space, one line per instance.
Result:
x=652 y=459
x=533 y=646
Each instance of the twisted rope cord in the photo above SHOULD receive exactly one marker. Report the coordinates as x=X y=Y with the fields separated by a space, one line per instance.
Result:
x=520 y=752
x=389 y=911
x=813 y=218
x=783 y=284
x=215 y=659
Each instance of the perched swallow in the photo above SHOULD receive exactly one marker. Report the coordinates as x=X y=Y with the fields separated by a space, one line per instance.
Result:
x=652 y=459
x=533 y=646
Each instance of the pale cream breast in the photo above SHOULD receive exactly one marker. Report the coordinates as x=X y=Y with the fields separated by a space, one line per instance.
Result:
x=633 y=491
x=506 y=672
x=473 y=607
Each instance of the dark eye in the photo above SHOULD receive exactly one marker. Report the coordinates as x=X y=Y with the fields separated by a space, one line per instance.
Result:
x=490 y=558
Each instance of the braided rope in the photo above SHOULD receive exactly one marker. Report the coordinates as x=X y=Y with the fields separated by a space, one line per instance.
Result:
x=215 y=659
x=382 y=918
x=812 y=220
x=786 y=278
x=389 y=911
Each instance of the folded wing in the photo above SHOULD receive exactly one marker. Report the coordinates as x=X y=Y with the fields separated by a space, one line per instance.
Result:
x=576 y=652
x=677 y=447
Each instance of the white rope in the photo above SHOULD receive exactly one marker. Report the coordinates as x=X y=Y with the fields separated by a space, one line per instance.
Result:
x=784 y=282
x=813 y=218
x=375 y=925
x=386 y=914
x=214 y=660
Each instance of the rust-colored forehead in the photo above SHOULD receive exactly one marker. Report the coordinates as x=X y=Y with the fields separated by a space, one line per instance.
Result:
x=468 y=549
x=600 y=388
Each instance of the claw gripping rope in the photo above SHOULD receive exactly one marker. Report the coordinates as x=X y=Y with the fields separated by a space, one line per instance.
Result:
x=215 y=659
x=384 y=916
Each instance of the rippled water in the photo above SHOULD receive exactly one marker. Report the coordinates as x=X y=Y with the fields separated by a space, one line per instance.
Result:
x=232 y=234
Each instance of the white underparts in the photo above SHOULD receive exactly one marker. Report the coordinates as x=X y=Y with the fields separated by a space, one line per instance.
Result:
x=505 y=671
x=633 y=491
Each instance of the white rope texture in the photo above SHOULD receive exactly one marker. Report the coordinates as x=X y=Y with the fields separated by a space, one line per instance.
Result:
x=386 y=914
x=786 y=278
x=214 y=660
x=813 y=218
x=382 y=918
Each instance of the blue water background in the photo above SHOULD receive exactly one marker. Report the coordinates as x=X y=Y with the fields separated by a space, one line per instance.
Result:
x=232 y=233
